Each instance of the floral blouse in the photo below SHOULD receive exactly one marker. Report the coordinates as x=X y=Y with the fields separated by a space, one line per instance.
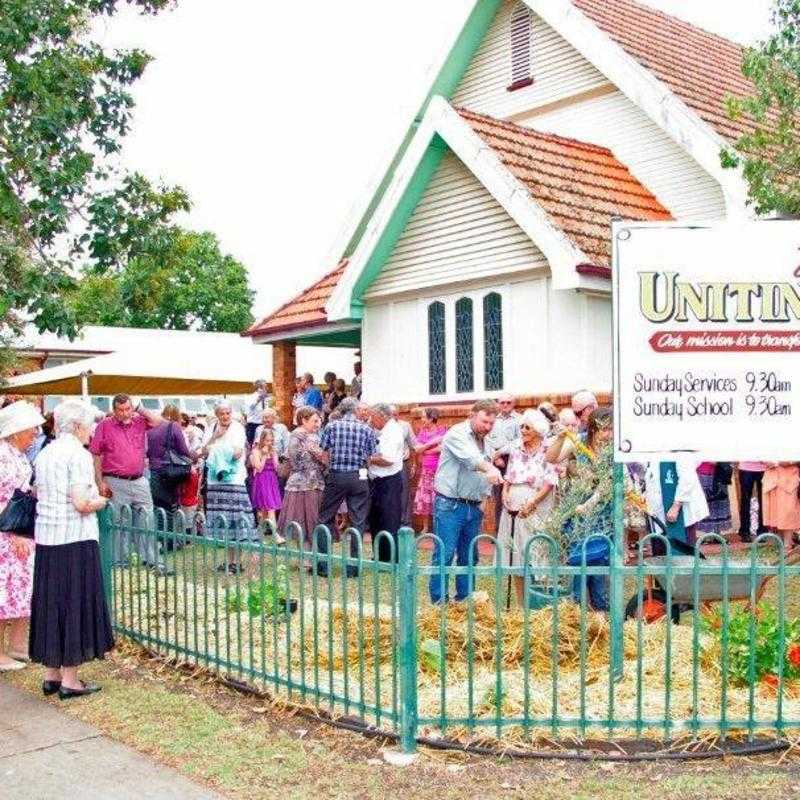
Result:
x=306 y=474
x=15 y=472
x=530 y=468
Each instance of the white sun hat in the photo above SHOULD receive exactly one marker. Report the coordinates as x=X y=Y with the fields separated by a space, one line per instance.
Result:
x=19 y=416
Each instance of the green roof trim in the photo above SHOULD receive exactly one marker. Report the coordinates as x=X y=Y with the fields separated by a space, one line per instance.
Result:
x=400 y=216
x=447 y=81
x=467 y=44
x=349 y=338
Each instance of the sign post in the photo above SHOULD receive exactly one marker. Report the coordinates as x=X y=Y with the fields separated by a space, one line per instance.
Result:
x=707 y=341
x=706 y=352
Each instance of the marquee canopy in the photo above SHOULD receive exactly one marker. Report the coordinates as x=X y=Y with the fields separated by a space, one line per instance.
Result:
x=151 y=372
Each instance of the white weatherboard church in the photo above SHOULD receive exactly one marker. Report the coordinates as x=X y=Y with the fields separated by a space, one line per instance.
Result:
x=482 y=260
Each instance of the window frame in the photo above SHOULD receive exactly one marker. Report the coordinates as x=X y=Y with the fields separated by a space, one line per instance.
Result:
x=465 y=350
x=488 y=298
x=437 y=379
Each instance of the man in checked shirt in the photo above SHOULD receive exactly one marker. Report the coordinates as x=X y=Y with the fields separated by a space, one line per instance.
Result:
x=351 y=445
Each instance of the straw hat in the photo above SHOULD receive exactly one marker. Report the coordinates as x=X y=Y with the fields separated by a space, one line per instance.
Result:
x=19 y=416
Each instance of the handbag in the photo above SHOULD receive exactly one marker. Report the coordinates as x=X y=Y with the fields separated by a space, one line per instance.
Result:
x=19 y=516
x=284 y=469
x=177 y=466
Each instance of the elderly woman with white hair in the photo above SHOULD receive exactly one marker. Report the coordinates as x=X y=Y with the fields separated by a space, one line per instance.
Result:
x=70 y=623
x=527 y=497
x=19 y=424
x=229 y=512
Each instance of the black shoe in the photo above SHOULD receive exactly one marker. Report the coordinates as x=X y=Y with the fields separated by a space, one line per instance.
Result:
x=50 y=687
x=88 y=688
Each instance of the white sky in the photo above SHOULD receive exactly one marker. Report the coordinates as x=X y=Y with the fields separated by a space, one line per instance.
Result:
x=275 y=115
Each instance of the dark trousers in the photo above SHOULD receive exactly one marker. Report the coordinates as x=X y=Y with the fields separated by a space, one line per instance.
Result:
x=250 y=429
x=405 y=493
x=385 y=514
x=165 y=497
x=349 y=487
x=748 y=481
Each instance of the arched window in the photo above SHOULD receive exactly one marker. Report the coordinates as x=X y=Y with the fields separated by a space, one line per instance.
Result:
x=437 y=375
x=521 y=47
x=465 y=372
x=493 y=341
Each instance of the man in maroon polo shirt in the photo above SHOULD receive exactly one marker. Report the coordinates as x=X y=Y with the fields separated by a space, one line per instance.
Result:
x=118 y=446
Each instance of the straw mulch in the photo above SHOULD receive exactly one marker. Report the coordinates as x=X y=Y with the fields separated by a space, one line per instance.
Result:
x=485 y=635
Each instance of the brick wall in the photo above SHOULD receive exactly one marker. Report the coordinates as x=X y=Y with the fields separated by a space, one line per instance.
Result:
x=284 y=371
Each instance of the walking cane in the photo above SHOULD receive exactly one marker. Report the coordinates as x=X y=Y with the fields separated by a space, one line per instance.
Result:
x=513 y=515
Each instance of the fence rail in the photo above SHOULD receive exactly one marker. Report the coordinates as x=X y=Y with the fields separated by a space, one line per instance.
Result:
x=372 y=645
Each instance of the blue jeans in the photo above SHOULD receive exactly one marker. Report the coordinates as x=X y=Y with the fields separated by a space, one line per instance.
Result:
x=596 y=585
x=456 y=524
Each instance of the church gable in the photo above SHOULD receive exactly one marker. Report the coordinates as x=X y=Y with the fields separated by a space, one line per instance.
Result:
x=518 y=44
x=458 y=232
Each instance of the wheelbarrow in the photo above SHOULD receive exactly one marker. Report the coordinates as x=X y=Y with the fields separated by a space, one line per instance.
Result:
x=653 y=605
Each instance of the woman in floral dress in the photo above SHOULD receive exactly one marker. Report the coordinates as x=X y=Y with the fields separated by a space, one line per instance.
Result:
x=304 y=486
x=528 y=494
x=19 y=424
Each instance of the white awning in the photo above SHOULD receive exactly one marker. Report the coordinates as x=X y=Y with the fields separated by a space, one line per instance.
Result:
x=168 y=371
x=145 y=373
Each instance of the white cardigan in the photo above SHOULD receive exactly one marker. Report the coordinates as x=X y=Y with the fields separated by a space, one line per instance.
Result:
x=689 y=493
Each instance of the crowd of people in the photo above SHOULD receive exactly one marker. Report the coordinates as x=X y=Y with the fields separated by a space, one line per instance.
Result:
x=344 y=465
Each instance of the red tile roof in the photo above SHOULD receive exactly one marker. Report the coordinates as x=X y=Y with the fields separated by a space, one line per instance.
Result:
x=305 y=310
x=701 y=68
x=580 y=186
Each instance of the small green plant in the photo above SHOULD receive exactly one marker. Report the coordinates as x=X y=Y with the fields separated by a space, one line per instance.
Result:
x=265 y=597
x=766 y=644
x=430 y=656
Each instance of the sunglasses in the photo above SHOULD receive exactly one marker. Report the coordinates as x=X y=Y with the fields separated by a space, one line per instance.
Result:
x=506 y=402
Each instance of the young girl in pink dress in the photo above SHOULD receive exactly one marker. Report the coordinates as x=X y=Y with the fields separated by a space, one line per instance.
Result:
x=428 y=448
x=265 y=493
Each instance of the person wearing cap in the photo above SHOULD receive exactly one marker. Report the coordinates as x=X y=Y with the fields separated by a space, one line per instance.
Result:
x=19 y=425
x=254 y=408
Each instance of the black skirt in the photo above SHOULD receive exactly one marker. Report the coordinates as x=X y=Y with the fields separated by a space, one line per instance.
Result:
x=70 y=623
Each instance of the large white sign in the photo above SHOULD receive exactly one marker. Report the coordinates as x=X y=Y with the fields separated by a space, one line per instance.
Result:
x=707 y=340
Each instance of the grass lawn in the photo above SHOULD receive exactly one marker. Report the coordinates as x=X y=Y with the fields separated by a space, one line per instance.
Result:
x=245 y=748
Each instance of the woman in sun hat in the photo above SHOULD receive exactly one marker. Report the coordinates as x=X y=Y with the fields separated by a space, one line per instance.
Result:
x=19 y=425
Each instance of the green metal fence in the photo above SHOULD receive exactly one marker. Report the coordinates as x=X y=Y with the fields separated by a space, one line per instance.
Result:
x=373 y=648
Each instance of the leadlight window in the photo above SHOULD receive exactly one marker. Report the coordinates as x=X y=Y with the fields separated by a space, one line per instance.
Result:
x=493 y=341
x=437 y=376
x=521 y=47
x=465 y=371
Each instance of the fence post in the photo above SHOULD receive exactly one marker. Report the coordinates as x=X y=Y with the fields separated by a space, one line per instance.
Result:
x=105 y=518
x=615 y=573
x=407 y=573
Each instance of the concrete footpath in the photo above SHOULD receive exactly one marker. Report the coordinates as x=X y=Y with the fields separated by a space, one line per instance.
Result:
x=47 y=755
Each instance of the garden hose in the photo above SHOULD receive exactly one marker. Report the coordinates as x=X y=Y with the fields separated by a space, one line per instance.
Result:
x=754 y=748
